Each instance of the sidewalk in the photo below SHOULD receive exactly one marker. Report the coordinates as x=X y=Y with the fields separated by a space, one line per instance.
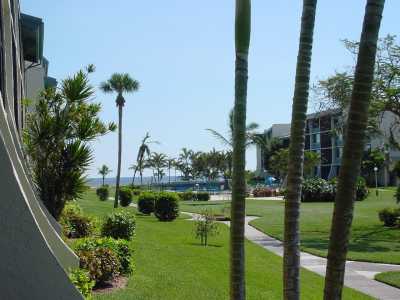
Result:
x=359 y=275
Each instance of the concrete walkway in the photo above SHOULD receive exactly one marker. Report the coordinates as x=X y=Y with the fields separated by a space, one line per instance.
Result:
x=359 y=275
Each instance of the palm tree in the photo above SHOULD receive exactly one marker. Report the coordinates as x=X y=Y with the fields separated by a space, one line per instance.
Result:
x=144 y=150
x=134 y=168
x=170 y=164
x=119 y=83
x=184 y=162
x=353 y=150
x=104 y=171
x=291 y=255
x=158 y=161
x=237 y=257
x=228 y=140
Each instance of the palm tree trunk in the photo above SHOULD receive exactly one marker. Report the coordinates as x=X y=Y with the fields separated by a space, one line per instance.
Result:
x=103 y=180
x=119 y=155
x=237 y=257
x=291 y=256
x=133 y=178
x=353 y=150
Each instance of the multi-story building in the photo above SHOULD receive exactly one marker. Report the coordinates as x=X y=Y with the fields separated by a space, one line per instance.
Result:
x=324 y=134
x=36 y=258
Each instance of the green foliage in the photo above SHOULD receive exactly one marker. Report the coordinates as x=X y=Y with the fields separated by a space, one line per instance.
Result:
x=82 y=281
x=119 y=247
x=317 y=190
x=103 y=192
x=166 y=206
x=205 y=226
x=125 y=196
x=202 y=196
x=146 y=202
x=361 y=189
x=57 y=137
x=102 y=264
x=188 y=195
x=397 y=194
x=389 y=216
x=75 y=224
x=104 y=171
x=119 y=225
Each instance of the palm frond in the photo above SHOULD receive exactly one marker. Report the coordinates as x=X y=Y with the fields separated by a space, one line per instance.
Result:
x=220 y=137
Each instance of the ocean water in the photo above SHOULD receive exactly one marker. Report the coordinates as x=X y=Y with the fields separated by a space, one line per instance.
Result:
x=96 y=182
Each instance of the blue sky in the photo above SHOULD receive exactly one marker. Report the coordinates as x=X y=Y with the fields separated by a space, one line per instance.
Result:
x=182 y=52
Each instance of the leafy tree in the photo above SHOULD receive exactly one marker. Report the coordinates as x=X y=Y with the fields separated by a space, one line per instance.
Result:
x=228 y=140
x=371 y=159
x=205 y=226
x=353 y=150
x=119 y=83
x=239 y=142
x=134 y=168
x=184 y=163
x=57 y=140
x=104 y=171
x=291 y=255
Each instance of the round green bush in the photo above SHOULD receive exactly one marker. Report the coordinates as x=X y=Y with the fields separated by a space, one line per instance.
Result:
x=166 y=206
x=203 y=196
x=74 y=223
x=389 y=216
x=103 y=192
x=361 y=189
x=397 y=194
x=82 y=281
x=318 y=190
x=146 y=202
x=187 y=195
x=119 y=247
x=125 y=196
x=101 y=263
x=119 y=225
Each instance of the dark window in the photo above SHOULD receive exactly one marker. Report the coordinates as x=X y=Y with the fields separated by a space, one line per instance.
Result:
x=325 y=123
x=326 y=140
x=307 y=143
x=326 y=156
x=314 y=123
x=325 y=172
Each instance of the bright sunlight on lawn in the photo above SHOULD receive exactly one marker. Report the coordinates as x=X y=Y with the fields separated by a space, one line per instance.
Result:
x=370 y=241
x=170 y=264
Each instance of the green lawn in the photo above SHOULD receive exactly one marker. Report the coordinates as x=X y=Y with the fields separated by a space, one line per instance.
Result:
x=391 y=278
x=171 y=265
x=370 y=241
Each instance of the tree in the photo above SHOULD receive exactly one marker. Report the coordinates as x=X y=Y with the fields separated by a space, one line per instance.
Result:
x=352 y=151
x=291 y=255
x=184 y=163
x=104 y=171
x=57 y=139
x=268 y=147
x=228 y=141
x=158 y=161
x=119 y=83
x=144 y=150
x=134 y=168
x=239 y=141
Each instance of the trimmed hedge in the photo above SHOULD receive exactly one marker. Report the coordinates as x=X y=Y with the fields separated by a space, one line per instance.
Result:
x=103 y=192
x=146 y=202
x=119 y=225
x=264 y=192
x=390 y=216
x=202 y=196
x=125 y=196
x=187 y=195
x=166 y=206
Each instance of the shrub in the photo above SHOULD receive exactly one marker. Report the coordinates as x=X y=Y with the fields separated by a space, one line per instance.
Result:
x=125 y=196
x=74 y=223
x=82 y=281
x=397 y=194
x=103 y=192
x=203 y=196
x=146 y=202
x=102 y=264
x=361 y=189
x=389 y=216
x=136 y=190
x=119 y=225
x=187 y=195
x=119 y=247
x=166 y=206
x=264 y=192
x=318 y=190
x=205 y=226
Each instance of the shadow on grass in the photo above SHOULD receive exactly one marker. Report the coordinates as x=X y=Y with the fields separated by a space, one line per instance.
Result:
x=208 y=245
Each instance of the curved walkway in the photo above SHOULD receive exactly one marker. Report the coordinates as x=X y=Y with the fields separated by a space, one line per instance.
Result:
x=359 y=275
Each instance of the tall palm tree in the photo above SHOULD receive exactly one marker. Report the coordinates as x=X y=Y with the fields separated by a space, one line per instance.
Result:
x=353 y=150
x=104 y=171
x=184 y=162
x=119 y=83
x=228 y=140
x=158 y=161
x=170 y=164
x=237 y=257
x=291 y=255
x=143 y=154
x=135 y=169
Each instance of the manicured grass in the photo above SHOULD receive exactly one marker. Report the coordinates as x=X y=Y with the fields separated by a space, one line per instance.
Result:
x=391 y=278
x=370 y=241
x=171 y=265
